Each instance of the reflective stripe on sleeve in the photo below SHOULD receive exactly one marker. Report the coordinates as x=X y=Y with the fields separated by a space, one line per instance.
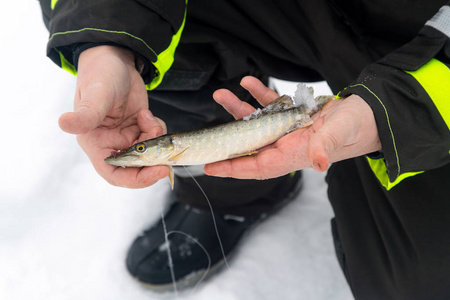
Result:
x=434 y=77
x=53 y=3
x=66 y=65
x=165 y=59
x=441 y=20
x=378 y=167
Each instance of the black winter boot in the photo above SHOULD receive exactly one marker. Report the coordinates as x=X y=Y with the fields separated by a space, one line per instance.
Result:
x=198 y=241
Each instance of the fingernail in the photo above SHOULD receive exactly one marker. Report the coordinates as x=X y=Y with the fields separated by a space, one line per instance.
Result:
x=148 y=114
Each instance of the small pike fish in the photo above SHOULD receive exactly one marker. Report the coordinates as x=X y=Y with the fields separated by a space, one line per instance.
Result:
x=234 y=139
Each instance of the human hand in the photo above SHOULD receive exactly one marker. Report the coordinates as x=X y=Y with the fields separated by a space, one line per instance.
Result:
x=342 y=129
x=111 y=113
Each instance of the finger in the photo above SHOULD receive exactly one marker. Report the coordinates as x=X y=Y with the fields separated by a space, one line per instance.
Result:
x=241 y=168
x=162 y=124
x=136 y=178
x=267 y=164
x=318 y=155
x=259 y=91
x=232 y=104
x=326 y=143
x=150 y=126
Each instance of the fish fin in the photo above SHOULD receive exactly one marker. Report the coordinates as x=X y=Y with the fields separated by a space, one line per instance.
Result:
x=171 y=176
x=242 y=154
x=303 y=122
x=281 y=103
x=173 y=158
x=324 y=99
x=321 y=101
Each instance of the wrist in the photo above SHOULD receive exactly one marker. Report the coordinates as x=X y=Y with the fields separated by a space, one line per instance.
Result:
x=368 y=125
x=133 y=60
x=94 y=52
x=79 y=48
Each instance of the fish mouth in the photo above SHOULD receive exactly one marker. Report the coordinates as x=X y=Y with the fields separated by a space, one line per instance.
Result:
x=114 y=154
x=121 y=159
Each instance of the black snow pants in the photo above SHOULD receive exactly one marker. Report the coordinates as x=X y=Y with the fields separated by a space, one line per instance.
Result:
x=392 y=245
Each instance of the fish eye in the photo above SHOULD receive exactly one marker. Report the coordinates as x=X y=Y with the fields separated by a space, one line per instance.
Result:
x=141 y=147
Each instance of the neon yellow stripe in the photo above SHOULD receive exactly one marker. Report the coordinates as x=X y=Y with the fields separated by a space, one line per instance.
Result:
x=166 y=58
x=434 y=77
x=53 y=3
x=378 y=167
x=65 y=65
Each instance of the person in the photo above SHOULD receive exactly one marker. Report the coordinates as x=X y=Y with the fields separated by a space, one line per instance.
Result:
x=385 y=141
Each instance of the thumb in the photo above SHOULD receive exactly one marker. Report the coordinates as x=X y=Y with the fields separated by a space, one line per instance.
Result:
x=79 y=122
x=150 y=126
x=320 y=147
x=90 y=111
x=331 y=142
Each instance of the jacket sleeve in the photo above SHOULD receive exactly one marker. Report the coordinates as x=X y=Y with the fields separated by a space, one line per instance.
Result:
x=150 y=28
x=409 y=93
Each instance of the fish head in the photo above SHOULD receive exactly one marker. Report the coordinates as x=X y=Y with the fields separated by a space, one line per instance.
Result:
x=147 y=153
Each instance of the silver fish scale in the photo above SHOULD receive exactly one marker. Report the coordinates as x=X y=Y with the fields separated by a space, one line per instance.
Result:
x=220 y=142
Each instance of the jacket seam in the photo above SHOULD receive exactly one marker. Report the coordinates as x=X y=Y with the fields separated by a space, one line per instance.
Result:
x=105 y=31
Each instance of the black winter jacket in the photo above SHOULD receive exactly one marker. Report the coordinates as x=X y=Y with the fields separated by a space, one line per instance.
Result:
x=293 y=40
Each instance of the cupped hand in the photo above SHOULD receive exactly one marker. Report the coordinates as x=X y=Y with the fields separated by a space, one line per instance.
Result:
x=343 y=129
x=111 y=113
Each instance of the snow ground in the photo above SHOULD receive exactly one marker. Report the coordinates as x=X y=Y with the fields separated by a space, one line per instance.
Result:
x=64 y=231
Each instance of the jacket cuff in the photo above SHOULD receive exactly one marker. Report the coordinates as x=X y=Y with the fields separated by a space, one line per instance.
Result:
x=411 y=121
x=72 y=54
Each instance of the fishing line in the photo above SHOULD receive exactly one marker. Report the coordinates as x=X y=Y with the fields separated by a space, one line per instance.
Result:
x=169 y=254
x=204 y=250
x=213 y=218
